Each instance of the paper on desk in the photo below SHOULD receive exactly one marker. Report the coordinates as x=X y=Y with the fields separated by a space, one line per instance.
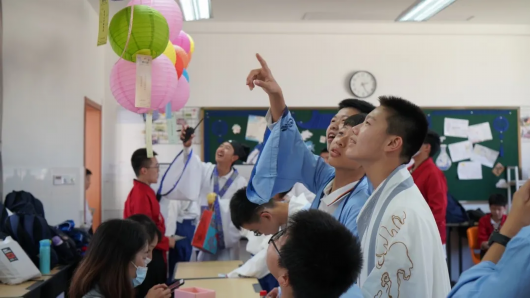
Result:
x=461 y=150
x=484 y=155
x=479 y=132
x=469 y=170
x=456 y=127
x=256 y=127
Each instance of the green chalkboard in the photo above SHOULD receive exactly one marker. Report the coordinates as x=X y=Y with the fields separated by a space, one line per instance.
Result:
x=504 y=124
x=219 y=123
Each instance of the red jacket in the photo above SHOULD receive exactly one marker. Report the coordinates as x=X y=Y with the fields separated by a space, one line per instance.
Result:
x=142 y=200
x=433 y=186
x=485 y=228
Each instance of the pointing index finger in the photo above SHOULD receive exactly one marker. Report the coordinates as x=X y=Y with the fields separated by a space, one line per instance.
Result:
x=262 y=62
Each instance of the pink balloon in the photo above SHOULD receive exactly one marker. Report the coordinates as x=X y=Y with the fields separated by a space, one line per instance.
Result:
x=181 y=98
x=163 y=83
x=182 y=41
x=169 y=9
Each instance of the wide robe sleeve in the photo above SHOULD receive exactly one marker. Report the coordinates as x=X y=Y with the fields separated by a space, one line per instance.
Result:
x=404 y=263
x=183 y=180
x=284 y=161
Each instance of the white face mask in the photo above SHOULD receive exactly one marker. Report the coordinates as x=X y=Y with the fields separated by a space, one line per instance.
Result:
x=147 y=261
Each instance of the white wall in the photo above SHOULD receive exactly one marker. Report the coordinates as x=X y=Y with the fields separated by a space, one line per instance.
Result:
x=50 y=63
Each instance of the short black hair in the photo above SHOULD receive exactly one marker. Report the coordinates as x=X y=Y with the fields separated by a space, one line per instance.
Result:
x=149 y=225
x=497 y=200
x=407 y=121
x=140 y=160
x=243 y=211
x=355 y=120
x=325 y=150
x=433 y=139
x=358 y=104
x=88 y=172
x=316 y=239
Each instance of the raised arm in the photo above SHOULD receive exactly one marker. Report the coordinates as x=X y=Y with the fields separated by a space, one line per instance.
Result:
x=262 y=77
x=183 y=179
x=504 y=271
x=285 y=160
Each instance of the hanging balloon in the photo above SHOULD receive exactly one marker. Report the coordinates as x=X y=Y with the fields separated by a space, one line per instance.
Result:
x=186 y=75
x=192 y=45
x=182 y=60
x=181 y=98
x=149 y=34
x=163 y=88
x=169 y=9
x=170 y=52
x=182 y=41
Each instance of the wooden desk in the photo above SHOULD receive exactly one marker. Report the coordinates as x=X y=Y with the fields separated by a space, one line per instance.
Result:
x=198 y=270
x=50 y=285
x=227 y=287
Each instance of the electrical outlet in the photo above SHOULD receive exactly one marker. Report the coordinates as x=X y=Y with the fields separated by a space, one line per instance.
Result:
x=63 y=180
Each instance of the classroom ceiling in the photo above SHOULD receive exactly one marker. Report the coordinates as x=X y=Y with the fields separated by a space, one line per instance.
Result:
x=462 y=11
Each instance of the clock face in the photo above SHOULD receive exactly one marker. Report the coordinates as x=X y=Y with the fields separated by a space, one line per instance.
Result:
x=363 y=84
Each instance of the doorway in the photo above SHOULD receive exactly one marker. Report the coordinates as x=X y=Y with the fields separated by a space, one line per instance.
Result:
x=93 y=163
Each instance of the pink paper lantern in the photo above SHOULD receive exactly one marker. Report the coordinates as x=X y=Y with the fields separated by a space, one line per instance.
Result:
x=163 y=83
x=169 y=9
x=182 y=41
x=182 y=96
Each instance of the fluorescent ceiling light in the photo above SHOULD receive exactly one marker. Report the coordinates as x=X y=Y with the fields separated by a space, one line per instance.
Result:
x=424 y=10
x=194 y=10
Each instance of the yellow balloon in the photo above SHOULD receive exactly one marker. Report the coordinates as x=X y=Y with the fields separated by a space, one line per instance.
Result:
x=170 y=52
x=192 y=44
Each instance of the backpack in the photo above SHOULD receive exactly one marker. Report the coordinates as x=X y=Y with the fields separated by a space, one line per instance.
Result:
x=3 y=216
x=28 y=230
x=24 y=202
x=455 y=213
x=79 y=236
x=67 y=251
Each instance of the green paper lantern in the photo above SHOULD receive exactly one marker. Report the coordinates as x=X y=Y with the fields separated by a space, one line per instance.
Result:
x=149 y=34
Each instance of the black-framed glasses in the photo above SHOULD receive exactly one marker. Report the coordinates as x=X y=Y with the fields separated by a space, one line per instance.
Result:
x=275 y=238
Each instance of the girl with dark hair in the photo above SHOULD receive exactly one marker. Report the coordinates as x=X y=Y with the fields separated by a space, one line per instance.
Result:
x=115 y=263
x=155 y=259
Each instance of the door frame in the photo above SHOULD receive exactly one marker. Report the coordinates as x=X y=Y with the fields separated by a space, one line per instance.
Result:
x=96 y=106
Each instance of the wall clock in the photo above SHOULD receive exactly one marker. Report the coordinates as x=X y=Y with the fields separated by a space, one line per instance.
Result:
x=363 y=84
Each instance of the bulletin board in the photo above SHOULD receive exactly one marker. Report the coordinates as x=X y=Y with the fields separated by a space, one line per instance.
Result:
x=504 y=126
x=219 y=127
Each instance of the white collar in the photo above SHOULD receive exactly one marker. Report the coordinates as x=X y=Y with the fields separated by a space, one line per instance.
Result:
x=296 y=204
x=336 y=196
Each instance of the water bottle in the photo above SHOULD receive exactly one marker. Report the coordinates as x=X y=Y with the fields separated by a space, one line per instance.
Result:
x=44 y=256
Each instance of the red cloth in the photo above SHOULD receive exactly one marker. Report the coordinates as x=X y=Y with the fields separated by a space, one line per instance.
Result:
x=433 y=186
x=142 y=200
x=485 y=228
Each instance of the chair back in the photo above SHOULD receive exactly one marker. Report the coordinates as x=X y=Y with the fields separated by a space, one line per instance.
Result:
x=474 y=246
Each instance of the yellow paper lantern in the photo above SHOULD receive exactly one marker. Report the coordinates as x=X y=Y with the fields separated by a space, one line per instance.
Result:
x=170 y=52
x=192 y=45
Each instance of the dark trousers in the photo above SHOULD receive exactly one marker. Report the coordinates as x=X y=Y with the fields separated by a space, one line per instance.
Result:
x=156 y=274
x=183 y=248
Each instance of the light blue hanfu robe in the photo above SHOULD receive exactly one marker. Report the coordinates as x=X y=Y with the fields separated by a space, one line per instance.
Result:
x=510 y=277
x=286 y=160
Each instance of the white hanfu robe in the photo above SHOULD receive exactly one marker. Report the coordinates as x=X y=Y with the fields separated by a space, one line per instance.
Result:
x=402 y=250
x=196 y=182
x=257 y=245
